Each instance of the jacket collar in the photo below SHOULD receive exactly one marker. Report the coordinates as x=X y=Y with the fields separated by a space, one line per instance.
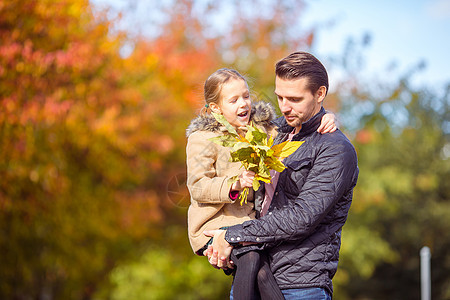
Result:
x=262 y=114
x=307 y=128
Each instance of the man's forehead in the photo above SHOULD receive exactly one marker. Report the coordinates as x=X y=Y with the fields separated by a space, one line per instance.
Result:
x=302 y=79
x=290 y=87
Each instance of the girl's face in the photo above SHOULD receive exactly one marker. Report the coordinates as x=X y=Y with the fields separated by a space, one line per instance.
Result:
x=235 y=102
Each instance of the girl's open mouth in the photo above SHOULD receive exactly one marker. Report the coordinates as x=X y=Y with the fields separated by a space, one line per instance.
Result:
x=243 y=114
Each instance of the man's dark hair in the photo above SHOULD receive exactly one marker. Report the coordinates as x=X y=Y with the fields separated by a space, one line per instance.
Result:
x=299 y=65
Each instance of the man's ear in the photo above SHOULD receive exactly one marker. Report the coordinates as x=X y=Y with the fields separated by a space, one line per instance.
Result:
x=321 y=93
x=215 y=108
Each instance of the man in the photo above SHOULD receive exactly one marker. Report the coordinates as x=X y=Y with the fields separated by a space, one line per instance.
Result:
x=302 y=231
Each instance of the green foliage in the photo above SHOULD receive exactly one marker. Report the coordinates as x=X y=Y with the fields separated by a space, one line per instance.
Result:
x=164 y=274
x=402 y=200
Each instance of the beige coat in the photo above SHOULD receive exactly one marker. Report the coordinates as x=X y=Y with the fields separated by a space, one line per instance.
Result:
x=208 y=169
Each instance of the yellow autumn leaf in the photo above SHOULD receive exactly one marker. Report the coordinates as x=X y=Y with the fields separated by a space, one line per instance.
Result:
x=221 y=119
x=255 y=152
x=263 y=178
x=255 y=184
x=249 y=136
x=270 y=142
x=275 y=164
x=286 y=148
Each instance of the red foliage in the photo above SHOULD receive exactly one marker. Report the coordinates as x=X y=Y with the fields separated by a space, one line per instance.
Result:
x=89 y=140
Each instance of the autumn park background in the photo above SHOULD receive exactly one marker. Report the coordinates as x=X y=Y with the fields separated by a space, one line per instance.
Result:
x=92 y=151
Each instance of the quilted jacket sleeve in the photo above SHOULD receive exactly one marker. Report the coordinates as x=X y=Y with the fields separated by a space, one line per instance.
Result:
x=203 y=184
x=333 y=174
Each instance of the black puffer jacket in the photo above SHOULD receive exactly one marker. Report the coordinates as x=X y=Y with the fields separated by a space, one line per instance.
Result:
x=302 y=231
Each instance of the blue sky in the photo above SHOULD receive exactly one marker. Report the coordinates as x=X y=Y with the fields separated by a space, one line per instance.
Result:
x=404 y=32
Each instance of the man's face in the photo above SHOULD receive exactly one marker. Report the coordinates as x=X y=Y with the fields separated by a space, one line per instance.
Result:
x=296 y=101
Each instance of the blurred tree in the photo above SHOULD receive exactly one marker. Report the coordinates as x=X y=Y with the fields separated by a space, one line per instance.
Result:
x=85 y=153
x=92 y=202
x=402 y=200
x=165 y=271
x=404 y=195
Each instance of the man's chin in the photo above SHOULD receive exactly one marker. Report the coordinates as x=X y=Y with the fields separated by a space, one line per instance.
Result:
x=293 y=123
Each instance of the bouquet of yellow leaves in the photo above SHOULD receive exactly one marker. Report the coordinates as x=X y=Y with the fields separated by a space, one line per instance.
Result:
x=255 y=151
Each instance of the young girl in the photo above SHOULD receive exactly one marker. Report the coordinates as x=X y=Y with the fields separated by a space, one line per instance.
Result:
x=213 y=200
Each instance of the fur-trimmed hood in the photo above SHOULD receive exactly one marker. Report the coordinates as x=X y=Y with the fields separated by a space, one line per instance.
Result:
x=262 y=114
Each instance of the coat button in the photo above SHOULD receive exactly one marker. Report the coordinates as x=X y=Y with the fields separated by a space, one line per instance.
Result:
x=258 y=239
x=232 y=239
x=238 y=238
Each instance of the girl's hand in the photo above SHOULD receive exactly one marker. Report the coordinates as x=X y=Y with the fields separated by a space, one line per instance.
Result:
x=244 y=181
x=328 y=124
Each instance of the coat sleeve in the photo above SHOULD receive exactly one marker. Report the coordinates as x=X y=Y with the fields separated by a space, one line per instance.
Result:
x=333 y=174
x=203 y=184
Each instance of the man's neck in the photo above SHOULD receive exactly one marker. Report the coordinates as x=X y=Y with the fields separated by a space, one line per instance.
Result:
x=298 y=128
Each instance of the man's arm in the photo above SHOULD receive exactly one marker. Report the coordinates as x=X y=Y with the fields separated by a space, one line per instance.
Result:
x=331 y=176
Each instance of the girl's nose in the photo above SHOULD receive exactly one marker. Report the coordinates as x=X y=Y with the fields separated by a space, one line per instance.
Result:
x=242 y=102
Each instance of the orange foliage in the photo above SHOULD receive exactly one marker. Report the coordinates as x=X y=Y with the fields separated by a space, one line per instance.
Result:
x=80 y=130
x=90 y=140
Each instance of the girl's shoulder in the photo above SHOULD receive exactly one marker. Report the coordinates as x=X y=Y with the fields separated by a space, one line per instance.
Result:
x=203 y=123
x=202 y=139
x=203 y=134
x=199 y=145
x=263 y=113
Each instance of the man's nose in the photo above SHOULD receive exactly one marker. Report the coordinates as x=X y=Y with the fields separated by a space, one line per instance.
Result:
x=284 y=106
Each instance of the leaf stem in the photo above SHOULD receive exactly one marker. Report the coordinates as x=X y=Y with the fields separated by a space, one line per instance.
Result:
x=243 y=196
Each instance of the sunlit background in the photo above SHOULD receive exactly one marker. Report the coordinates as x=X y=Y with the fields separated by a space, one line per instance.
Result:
x=95 y=98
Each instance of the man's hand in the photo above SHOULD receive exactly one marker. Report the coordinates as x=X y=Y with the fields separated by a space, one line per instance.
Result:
x=219 y=253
